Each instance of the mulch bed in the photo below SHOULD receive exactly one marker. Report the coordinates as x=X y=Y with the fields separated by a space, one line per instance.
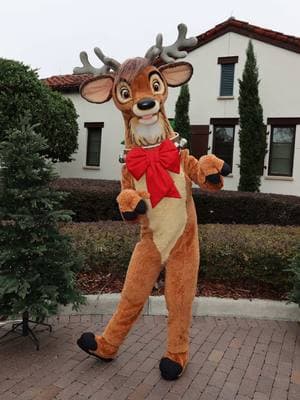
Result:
x=96 y=282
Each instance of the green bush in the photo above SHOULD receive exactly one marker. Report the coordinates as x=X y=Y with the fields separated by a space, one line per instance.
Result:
x=294 y=269
x=91 y=200
x=21 y=91
x=94 y=200
x=233 y=207
x=255 y=253
x=228 y=252
x=106 y=246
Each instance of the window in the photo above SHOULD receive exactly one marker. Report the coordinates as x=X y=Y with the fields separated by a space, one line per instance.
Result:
x=223 y=138
x=223 y=143
x=227 y=75
x=282 y=150
x=94 y=132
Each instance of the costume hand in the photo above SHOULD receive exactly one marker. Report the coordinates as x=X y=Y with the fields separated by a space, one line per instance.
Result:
x=215 y=178
x=131 y=204
x=213 y=168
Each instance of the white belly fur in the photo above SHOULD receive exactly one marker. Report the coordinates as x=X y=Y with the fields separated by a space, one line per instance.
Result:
x=168 y=219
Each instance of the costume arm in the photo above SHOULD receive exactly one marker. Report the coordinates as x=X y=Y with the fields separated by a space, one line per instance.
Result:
x=126 y=179
x=130 y=201
x=207 y=172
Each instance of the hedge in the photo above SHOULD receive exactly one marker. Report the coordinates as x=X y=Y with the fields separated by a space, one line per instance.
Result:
x=94 y=200
x=89 y=199
x=228 y=252
x=294 y=268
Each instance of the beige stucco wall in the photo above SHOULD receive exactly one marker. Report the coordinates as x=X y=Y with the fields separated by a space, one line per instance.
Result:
x=279 y=92
x=112 y=135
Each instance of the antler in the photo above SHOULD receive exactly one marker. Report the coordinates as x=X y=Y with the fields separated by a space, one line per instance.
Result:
x=171 y=53
x=87 y=68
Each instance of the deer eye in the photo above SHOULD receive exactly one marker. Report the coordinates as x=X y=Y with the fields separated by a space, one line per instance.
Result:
x=123 y=92
x=156 y=84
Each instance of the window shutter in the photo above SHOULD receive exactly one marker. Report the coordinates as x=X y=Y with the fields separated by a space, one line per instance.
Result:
x=199 y=140
x=227 y=75
x=223 y=142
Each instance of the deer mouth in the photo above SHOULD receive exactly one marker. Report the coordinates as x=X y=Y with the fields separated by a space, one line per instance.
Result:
x=147 y=129
x=148 y=119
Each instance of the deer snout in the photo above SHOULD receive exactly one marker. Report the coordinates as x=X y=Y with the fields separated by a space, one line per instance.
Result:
x=146 y=104
x=146 y=110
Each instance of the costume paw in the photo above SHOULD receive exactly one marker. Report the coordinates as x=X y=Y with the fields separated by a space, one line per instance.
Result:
x=89 y=343
x=215 y=179
x=225 y=169
x=131 y=204
x=140 y=209
x=170 y=370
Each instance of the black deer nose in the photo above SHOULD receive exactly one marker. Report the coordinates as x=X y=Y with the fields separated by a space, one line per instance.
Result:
x=146 y=104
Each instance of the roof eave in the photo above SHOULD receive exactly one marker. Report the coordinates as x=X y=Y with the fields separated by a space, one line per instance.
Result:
x=250 y=31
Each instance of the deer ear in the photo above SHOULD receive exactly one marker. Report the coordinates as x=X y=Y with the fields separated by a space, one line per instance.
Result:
x=177 y=74
x=98 y=89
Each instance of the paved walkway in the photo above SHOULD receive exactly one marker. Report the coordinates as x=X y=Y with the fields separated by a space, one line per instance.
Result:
x=230 y=359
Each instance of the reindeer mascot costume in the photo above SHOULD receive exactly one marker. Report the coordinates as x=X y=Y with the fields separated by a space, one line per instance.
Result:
x=157 y=178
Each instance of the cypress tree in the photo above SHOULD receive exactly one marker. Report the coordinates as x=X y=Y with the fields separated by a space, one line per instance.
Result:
x=252 y=136
x=37 y=263
x=181 y=120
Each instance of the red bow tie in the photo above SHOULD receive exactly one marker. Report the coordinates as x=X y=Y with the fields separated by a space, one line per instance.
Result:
x=155 y=162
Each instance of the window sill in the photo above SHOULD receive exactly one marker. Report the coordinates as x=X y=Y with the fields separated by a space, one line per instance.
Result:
x=279 y=178
x=225 y=97
x=90 y=167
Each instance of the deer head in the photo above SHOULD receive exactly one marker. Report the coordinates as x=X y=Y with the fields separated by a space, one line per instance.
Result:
x=139 y=88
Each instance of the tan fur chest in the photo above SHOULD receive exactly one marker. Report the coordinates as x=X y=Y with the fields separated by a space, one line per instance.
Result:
x=168 y=219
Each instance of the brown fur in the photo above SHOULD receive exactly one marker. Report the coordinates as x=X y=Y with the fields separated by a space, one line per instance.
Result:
x=181 y=271
x=143 y=270
x=104 y=349
x=179 y=253
x=131 y=68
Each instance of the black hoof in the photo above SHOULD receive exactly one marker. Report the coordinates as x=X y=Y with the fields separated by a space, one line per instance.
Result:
x=170 y=370
x=225 y=170
x=214 y=179
x=87 y=343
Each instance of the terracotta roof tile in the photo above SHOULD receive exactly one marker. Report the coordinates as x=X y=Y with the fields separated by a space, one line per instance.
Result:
x=288 y=42
x=61 y=82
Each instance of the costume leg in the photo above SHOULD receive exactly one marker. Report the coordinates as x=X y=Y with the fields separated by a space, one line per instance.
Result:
x=180 y=287
x=143 y=270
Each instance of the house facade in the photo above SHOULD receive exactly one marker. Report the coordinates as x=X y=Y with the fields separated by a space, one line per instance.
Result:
x=218 y=60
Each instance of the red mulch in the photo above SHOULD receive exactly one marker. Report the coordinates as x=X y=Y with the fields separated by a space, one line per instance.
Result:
x=95 y=283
